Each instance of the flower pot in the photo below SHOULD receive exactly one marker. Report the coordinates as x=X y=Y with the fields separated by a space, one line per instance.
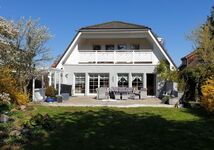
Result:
x=59 y=99
x=50 y=99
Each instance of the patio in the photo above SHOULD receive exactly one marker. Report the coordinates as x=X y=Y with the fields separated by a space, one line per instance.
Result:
x=85 y=101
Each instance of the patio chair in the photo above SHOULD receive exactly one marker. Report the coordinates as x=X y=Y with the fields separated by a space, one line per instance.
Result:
x=102 y=93
x=143 y=93
x=117 y=95
x=134 y=96
x=125 y=96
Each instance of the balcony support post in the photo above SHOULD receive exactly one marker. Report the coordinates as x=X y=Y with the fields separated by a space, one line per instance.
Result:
x=114 y=56
x=96 y=57
x=133 y=57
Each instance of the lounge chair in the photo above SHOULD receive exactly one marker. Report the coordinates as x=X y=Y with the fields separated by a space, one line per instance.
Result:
x=102 y=93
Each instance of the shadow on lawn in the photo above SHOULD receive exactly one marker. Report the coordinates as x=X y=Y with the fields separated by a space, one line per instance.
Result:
x=111 y=129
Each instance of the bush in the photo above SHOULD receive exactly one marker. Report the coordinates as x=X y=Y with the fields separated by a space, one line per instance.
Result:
x=5 y=102
x=8 y=85
x=44 y=121
x=208 y=95
x=50 y=91
x=21 y=98
x=4 y=98
x=7 y=82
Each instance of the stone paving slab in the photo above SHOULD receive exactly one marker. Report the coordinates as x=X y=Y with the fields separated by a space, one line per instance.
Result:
x=85 y=101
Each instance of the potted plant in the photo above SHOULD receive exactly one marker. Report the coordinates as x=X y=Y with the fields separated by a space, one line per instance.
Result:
x=51 y=94
x=59 y=98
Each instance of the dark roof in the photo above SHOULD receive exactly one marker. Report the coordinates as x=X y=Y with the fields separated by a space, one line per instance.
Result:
x=115 y=25
x=190 y=54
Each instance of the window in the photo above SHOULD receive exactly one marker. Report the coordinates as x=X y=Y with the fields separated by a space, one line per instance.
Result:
x=109 y=47
x=137 y=81
x=122 y=46
x=79 y=83
x=104 y=80
x=96 y=47
x=98 y=80
x=123 y=80
x=93 y=83
x=134 y=46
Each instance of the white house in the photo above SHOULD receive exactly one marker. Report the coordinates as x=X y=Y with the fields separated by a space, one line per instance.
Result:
x=112 y=54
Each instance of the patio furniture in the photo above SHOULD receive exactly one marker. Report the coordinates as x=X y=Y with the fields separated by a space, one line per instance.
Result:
x=123 y=92
x=102 y=93
x=117 y=95
x=143 y=93
x=65 y=96
x=135 y=94
x=125 y=96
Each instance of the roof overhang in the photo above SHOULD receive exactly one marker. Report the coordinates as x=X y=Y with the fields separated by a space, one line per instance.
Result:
x=165 y=53
x=68 y=51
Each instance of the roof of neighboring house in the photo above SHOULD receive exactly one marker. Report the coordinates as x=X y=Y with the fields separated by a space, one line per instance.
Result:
x=115 y=25
x=191 y=59
x=190 y=54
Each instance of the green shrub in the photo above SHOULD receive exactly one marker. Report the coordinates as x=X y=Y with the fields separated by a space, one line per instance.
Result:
x=50 y=91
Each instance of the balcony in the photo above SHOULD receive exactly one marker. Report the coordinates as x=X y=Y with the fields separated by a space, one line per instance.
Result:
x=115 y=56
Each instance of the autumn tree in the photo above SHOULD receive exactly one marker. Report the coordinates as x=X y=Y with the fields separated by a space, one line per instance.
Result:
x=196 y=75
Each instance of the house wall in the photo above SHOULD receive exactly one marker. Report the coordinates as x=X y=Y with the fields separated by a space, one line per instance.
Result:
x=70 y=64
x=112 y=70
x=87 y=44
x=73 y=57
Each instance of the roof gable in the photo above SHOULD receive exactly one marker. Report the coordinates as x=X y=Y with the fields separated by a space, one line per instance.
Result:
x=115 y=25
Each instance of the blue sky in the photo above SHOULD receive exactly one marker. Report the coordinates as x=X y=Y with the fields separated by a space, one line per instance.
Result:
x=170 y=19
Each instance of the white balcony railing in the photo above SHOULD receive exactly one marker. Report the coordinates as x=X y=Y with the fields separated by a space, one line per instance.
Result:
x=115 y=56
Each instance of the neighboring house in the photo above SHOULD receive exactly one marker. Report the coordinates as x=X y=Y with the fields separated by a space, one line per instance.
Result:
x=189 y=60
x=112 y=54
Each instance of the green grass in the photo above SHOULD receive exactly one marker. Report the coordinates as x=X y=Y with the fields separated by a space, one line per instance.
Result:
x=124 y=129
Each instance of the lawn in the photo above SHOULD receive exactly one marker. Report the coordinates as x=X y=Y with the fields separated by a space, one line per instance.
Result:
x=123 y=129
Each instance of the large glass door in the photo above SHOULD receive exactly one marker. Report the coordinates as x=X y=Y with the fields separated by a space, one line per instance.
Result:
x=80 y=83
x=151 y=86
x=98 y=80
x=104 y=80
x=93 y=83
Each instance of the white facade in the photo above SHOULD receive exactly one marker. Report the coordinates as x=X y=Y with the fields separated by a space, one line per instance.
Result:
x=112 y=57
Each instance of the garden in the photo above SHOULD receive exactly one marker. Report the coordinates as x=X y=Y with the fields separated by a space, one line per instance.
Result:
x=41 y=127
x=26 y=125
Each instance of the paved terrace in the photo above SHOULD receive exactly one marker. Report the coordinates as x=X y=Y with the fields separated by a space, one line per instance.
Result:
x=85 y=101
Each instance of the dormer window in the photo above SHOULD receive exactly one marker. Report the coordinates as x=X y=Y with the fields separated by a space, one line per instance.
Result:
x=122 y=46
x=110 y=47
x=96 y=47
x=134 y=46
